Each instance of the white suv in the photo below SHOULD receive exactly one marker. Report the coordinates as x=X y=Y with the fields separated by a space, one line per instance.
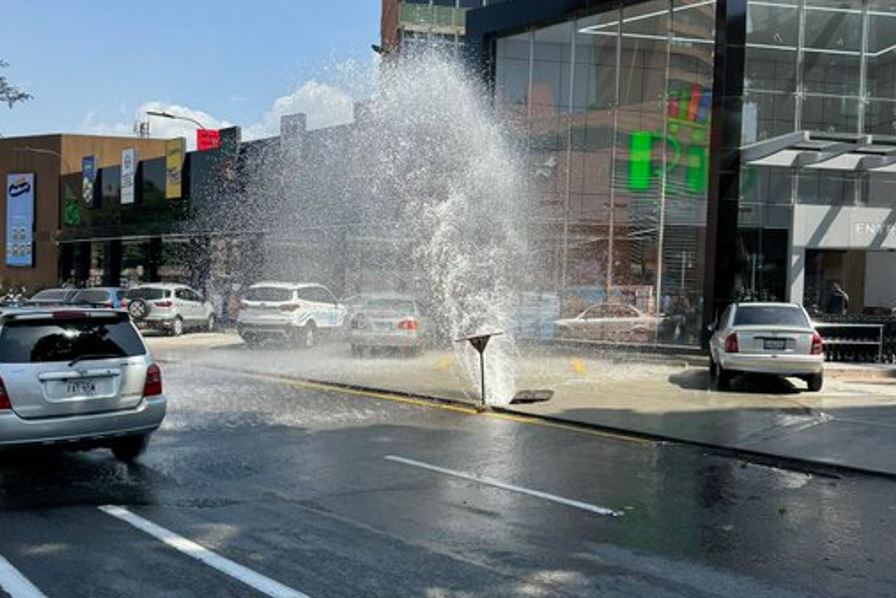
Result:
x=172 y=308
x=297 y=312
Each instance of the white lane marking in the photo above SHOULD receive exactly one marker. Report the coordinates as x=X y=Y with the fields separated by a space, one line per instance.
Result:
x=15 y=584
x=263 y=584
x=498 y=484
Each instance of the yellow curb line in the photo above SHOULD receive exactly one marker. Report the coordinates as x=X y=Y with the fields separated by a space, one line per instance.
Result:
x=521 y=419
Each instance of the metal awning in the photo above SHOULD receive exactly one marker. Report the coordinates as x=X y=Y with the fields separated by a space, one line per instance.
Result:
x=824 y=151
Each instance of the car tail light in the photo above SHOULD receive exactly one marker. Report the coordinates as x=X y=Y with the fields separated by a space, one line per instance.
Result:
x=153 y=385
x=817 y=344
x=408 y=325
x=5 y=405
x=290 y=307
x=731 y=345
x=165 y=303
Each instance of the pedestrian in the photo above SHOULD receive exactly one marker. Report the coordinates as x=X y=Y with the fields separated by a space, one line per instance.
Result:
x=838 y=300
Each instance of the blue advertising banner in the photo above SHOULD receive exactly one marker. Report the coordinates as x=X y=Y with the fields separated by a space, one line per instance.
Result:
x=88 y=179
x=20 y=220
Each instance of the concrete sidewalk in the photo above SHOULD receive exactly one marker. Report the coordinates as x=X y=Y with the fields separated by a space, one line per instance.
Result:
x=851 y=424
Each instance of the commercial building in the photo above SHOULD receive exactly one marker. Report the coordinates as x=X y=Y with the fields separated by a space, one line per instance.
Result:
x=40 y=174
x=408 y=22
x=686 y=153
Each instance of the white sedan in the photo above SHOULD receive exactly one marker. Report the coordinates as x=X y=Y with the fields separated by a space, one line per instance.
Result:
x=766 y=338
x=610 y=322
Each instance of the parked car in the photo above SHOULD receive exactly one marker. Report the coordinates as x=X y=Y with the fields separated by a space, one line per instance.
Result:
x=766 y=338
x=77 y=379
x=52 y=297
x=611 y=322
x=387 y=321
x=100 y=297
x=169 y=307
x=297 y=312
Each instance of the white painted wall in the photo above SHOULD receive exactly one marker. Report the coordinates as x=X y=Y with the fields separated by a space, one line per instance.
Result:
x=880 y=279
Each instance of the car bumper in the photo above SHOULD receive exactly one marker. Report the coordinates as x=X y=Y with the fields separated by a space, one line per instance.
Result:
x=157 y=321
x=780 y=365
x=385 y=340
x=92 y=428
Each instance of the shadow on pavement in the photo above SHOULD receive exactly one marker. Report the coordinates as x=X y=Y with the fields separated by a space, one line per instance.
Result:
x=698 y=379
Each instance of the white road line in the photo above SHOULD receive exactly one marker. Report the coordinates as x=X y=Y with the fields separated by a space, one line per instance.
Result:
x=15 y=584
x=497 y=484
x=263 y=584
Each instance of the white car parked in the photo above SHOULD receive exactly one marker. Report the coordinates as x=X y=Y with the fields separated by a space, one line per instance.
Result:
x=297 y=312
x=766 y=338
x=169 y=307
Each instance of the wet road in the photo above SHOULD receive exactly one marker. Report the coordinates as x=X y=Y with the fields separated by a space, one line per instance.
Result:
x=259 y=486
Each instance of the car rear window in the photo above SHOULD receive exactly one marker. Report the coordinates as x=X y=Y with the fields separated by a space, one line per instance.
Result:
x=91 y=297
x=390 y=306
x=46 y=340
x=268 y=294
x=147 y=293
x=770 y=316
x=50 y=295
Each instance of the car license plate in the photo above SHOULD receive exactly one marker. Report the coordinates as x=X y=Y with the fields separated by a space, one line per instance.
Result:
x=81 y=388
x=775 y=344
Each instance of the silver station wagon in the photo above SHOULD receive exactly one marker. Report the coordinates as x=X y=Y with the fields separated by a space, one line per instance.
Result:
x=77 y=379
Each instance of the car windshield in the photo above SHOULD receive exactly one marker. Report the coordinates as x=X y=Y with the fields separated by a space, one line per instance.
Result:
x=148 y=293
x=268 y=294
x=37 y=341
x=50 y=295
x=778 y=315
x=403 y=306
x=95 y=296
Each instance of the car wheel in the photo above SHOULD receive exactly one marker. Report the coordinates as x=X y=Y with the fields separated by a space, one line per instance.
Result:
x=815 y=382
x=177 y=327
x=138 y=309
x=212 y=322
x=723 y=378
x=129 y=448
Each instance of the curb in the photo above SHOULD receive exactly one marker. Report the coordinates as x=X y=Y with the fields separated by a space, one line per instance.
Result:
x=835 y=470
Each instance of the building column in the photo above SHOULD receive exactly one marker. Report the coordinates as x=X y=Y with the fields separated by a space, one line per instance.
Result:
x=112 y=271
x=725 y=162
x=796 y=273
x=155 y=259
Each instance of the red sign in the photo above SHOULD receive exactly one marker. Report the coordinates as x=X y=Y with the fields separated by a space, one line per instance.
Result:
x=207 y=139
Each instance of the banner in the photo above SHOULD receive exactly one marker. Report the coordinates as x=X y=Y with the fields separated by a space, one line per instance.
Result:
x=20 y=220
x=128 y=174
x=88 y=179
x=207 y=139
x=174 y=165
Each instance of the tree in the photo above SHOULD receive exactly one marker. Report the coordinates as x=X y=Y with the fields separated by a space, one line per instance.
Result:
x=10 y=93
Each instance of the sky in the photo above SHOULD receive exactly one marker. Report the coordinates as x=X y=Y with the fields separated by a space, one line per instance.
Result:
x=95 y=67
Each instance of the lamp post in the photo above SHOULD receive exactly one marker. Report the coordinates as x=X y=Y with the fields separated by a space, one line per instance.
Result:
x=168 y=115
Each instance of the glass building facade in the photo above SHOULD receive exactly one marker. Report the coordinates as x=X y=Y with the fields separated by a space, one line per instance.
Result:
x=640 y=120
x=617 y=106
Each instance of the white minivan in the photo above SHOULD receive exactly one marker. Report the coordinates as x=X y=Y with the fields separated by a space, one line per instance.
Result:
x=297 y=312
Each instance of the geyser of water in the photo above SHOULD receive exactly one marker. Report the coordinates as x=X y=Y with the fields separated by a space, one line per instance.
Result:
x=445 y=175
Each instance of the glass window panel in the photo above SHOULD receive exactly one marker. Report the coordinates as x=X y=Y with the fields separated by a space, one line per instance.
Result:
x=551 y=69
x=830 y=114
x=881 y=50
x=879 y=190
x=826 y=187
x=880 y=117
x=512 y=70
x=767 y=115
x=772 y=38
x=833 y=42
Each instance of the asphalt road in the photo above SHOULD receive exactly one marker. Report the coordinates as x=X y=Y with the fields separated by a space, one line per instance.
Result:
x=257 y=486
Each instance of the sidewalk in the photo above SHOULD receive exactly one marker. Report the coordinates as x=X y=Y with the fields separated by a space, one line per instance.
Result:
x=850 y=424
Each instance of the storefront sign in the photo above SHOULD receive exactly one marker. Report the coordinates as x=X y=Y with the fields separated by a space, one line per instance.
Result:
x=174 y=164
x=20 y=220
x=128 y=174
x=88 y=179
x=875 y=229
x=207 y=139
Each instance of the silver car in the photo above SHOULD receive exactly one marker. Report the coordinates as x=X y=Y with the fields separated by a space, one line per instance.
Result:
x=387 y=321
x=77 y=379
x=766 y=338
x=169 y=307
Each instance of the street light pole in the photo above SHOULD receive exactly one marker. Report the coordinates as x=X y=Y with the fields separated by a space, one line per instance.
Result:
x=168 y=115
